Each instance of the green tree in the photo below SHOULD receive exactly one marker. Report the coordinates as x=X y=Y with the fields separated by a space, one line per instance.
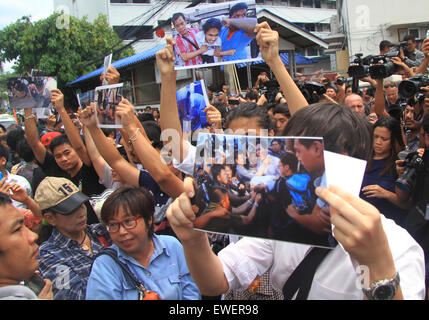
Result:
x=65 y=53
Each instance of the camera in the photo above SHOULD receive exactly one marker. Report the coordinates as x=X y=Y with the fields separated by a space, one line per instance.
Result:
x=271 y=90
x=311 y=90
x=381 y=66
x=414 y=164
x=359 y=68
x=342 y=80
x=413 y=86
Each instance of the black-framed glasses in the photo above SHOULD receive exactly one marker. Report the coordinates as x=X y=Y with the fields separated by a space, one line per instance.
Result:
x=128 y=224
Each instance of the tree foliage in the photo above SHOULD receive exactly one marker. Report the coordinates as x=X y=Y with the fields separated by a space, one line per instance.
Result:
x=66 y=53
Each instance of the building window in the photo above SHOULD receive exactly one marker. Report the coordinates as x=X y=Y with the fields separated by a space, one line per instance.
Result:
x=134 y=32
x=312 y=52
x=295 y=3
x=307 y=3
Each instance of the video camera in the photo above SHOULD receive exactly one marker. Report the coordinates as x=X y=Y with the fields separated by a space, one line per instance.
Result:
x=312 y=91
x=414 y=165
x=359 y=68
x=413 y=86
x=270 y=89
x=342 y=80
x=381 y=66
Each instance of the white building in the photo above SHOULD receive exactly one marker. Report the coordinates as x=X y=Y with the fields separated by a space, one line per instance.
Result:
x=365 y=23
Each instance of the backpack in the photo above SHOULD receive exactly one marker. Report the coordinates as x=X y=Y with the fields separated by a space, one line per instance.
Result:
x=300 y=191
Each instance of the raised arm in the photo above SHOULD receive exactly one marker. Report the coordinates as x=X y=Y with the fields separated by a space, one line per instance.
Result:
x=97 y=160
x=268 y=41
x=149 y=157
x=111 y=155
x=424 y=66
x=169 y=113
x=72 y=132
x=246 y=24
x=32 y=135
x=205 y=267
x=380 y=100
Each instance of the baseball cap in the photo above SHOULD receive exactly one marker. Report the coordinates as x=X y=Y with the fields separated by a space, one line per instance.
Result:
x=59 y=195
x=48 y=137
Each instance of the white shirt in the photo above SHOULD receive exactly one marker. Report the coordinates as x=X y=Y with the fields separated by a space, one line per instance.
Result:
x=335 y=279
x=188 y=164
x=23 y=183
x=201 y=40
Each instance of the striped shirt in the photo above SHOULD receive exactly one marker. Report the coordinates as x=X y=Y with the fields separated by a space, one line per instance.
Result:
x=183 y=46
x=67 y=265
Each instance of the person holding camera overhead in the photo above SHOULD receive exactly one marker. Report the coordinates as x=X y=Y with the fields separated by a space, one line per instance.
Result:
x=378 y=186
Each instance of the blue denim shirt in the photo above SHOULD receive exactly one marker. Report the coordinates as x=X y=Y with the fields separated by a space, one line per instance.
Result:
x=167 y=274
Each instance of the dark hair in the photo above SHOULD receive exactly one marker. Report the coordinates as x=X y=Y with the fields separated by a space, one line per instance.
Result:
x=4 y=153
x=215 y=171
x=250 y=110
x=290 y=159
x=344 y=131
x=145 y=117
x=4 y=199
x=3 y=128
x=24 y=151
x=153 y=132
x=133 y=201
x=282 y=108
x=396 y=141
x=385 y=44
x=237 y=7
x=177 y=16
x=58 y=141
x=215 y=192
x=212 y=23
x=252 y=96
x=14 y=136
x=426 y=123
x=409 y=37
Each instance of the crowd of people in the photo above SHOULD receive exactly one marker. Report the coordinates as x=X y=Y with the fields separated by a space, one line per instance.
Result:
x=89 y=213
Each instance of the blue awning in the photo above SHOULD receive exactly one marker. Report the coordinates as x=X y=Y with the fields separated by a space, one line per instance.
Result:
x=139 y=57
x=285 y=59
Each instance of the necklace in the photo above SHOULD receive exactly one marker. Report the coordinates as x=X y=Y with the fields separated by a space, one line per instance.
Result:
x=83 y=245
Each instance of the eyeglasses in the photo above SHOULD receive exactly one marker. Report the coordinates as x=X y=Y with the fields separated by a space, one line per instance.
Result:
x=128 y=224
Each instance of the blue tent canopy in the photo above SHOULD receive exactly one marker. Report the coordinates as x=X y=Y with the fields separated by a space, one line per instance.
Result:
x=144 y=55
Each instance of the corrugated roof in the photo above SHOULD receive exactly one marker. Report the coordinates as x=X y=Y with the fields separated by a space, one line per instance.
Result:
x=139 y=57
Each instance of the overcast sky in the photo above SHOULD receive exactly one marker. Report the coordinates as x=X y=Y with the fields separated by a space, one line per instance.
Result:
x=11 y=10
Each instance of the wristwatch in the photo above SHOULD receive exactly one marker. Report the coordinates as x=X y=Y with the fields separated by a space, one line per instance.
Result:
x=383 y=289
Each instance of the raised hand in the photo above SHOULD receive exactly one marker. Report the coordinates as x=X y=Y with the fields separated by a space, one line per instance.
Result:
x=165 y=58
x=268 y=41
x=57 y=99
x=87 y=116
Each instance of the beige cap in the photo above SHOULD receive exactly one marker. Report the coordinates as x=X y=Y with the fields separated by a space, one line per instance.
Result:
x=59 y=195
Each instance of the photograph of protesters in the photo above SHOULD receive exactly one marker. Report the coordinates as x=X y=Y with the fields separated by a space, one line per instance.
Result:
x=30 y=92
x=107 y=99
x=245 y=190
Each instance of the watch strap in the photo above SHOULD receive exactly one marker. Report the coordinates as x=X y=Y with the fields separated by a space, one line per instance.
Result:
x=370 y=293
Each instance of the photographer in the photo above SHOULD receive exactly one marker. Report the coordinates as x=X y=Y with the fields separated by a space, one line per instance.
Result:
x=271 y=93
x=411 y=56
x=417 y=220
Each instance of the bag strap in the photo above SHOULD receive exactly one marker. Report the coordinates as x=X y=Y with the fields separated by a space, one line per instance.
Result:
x=127 y=272
x=302 y=277
x=193 y=44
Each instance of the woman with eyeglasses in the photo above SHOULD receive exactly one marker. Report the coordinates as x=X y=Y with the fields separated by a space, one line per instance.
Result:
x=379 y=183
x=157 y=262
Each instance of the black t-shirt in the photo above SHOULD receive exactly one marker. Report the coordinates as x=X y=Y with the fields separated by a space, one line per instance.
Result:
x=86 y=180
